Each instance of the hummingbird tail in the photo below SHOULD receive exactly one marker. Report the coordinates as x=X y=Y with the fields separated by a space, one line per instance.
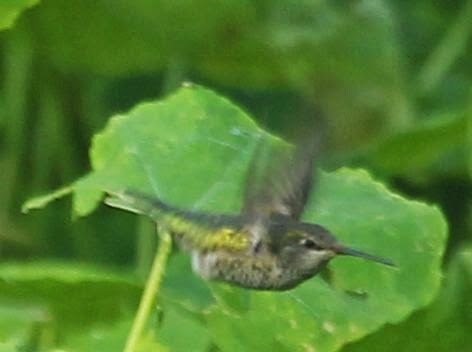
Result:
x=136 y=202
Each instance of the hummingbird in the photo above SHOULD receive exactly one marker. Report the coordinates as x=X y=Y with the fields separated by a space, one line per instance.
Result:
x=265 y=246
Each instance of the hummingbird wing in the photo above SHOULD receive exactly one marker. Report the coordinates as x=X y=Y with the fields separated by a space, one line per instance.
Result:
x=279 y=182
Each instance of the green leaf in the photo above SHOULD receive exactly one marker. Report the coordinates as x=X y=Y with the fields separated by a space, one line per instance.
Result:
x=42 y=201
x=86 y=306
x=7 y=347
x=192 y=150
x=422 y=147
x=109 y=338
x=72 y=296
x=16 y=320
x=443 y=326
x=100 y=338
x=11 y=9
x=156 y=147
x=181 y=333
x=177 y=331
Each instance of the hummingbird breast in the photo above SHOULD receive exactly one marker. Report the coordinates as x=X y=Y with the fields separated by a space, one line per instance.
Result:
x=248 y=270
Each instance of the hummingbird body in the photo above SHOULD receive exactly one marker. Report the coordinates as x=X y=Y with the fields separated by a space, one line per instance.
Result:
x=255 y=267
x=266 y=246
x=263 y=272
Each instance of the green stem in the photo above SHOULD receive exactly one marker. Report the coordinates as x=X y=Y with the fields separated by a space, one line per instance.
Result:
x=150 y=291
x=146 y=246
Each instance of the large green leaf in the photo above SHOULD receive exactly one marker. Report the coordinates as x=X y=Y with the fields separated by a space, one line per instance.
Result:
x=11 y=9
x=157 y=146
x=192 y=150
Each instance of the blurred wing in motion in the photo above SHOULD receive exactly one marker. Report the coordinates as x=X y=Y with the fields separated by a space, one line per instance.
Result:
x=279 y=182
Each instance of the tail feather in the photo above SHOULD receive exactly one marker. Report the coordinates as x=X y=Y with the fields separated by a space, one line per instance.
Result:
x=136 y=203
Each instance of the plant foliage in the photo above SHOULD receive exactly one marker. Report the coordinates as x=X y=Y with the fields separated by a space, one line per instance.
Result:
x=194 y=137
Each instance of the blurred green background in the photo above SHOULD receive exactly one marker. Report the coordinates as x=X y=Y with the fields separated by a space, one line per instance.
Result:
x=393 y=79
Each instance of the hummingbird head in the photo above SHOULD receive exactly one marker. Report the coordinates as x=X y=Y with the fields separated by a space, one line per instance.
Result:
x=306 y=248
x=309 y=247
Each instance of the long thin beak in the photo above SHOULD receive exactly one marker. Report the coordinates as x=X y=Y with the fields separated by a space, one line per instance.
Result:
x=356 y=253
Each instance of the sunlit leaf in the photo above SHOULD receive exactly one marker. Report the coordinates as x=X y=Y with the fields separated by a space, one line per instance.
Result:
x=156 y=147
x=11 y=9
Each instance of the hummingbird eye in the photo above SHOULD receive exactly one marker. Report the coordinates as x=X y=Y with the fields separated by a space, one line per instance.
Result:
x=309 y=244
